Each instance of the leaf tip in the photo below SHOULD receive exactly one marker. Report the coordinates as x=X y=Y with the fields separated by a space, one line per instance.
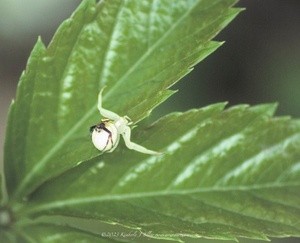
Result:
x=39 y=43
x=269 y=108
x=221 y=43
x=217 y=106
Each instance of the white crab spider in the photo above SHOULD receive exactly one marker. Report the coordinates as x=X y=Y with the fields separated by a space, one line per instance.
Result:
x=106 y=134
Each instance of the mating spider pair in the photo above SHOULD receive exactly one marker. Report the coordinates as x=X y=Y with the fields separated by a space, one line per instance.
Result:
x=106 y=135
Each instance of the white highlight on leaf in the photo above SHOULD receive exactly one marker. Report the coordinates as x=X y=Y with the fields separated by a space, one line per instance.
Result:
x=65 y=95
x=254 y=162
x=111 y=53
x=100 y=165
x=54 y=237
x=45 y=94
x=68 y=82
x=219 y=150
x=79 y=162
x=95 y=169
x=173 y=147
x=147 y=164
x=47 y=59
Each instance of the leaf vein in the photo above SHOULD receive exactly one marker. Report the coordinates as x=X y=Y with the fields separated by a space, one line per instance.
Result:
x=113 y=37
x=239 y=213
x=256 y=159
x=117 y=197
x=151 y=49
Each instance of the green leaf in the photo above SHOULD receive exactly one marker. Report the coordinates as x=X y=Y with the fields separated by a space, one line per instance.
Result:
x=224 y=174
x=47 y=233
x=9 y=162
x=7 y=237
x=1 y=189
x=137 y=48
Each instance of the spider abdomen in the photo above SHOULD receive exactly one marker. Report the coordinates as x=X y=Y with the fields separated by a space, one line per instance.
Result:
x=105 y=136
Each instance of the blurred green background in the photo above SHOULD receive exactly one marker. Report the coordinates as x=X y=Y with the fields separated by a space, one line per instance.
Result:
x=260 y=61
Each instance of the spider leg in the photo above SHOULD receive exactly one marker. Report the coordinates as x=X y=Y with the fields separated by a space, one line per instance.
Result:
x=127 y=118
x=131 y=145
x=115 y=145
x=109 y=138
x=106 y=113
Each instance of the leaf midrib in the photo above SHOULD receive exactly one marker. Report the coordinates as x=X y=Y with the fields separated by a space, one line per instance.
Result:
x=159 y=193
x=150 y=50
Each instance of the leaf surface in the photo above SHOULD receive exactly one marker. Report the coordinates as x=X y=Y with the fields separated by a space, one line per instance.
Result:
x=48 y=233
x=1 y=189
x=138 y=49
x=224 y=174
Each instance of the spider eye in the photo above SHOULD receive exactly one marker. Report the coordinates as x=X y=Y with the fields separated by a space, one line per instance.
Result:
x=92 y=128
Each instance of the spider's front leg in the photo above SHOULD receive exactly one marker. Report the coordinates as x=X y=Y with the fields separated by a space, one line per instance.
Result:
x=106 y=113
x=131 y=145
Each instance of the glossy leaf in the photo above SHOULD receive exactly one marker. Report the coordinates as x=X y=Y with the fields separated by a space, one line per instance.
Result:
x=224 y=174
x=137 y=48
